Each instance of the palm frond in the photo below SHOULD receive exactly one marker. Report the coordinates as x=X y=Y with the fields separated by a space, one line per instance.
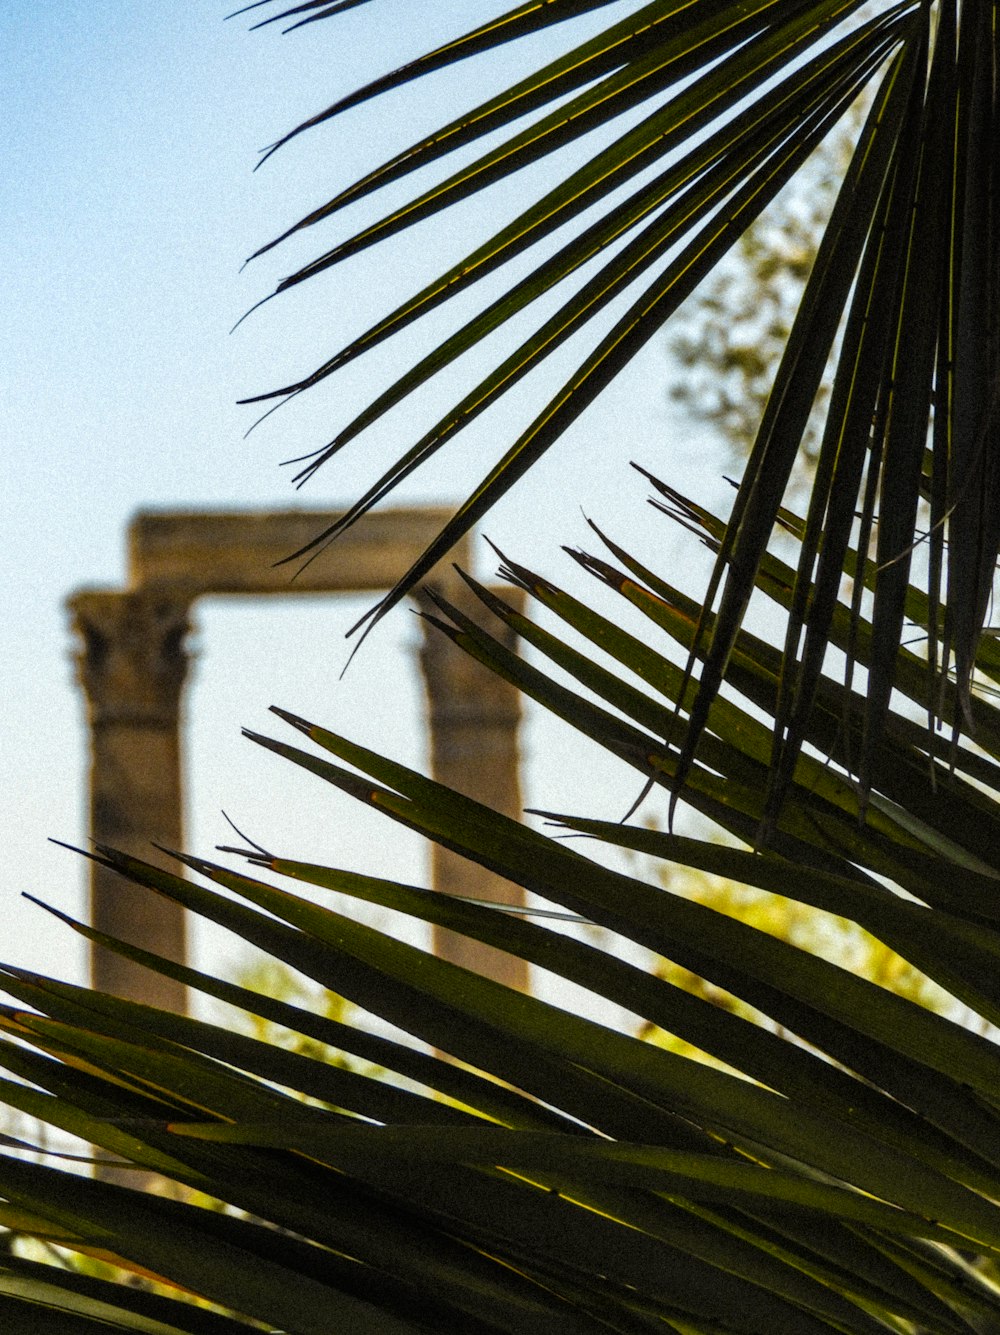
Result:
x=828 y=1159
x=724 y=102
x=833 y=1169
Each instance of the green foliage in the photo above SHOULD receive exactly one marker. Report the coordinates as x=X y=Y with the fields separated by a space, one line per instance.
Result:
x=838 y=1169
x=717 y=106
x=837 y=939
x=281 y=984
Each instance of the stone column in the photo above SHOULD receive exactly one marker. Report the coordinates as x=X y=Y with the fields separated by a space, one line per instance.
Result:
x=474 y=718
x=132 y=664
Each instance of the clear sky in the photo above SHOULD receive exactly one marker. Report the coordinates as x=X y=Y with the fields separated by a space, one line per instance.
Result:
x=129 y=205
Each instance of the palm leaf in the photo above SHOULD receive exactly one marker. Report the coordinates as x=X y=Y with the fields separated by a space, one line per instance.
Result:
x=906 y=259
x=829 y=1160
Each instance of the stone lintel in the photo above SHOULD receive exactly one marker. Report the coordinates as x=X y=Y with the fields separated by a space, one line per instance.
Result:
x=238 y=551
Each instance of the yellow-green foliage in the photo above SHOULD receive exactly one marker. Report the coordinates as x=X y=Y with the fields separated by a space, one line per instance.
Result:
x=274 y=979
x=836 y=939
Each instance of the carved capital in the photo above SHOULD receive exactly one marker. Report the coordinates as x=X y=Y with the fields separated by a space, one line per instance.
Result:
x=132 y=661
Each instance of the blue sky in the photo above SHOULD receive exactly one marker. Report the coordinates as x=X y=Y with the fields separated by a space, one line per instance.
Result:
x=129 y=206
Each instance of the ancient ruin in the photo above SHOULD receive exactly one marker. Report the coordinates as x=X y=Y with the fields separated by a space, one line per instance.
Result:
x=132 y=664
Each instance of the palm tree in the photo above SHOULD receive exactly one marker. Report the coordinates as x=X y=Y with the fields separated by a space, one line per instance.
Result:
x=834 y=1171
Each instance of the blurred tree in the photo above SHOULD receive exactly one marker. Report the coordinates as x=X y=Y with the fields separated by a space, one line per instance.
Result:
x=271 y=978
x=835 y=938
x=729 y=337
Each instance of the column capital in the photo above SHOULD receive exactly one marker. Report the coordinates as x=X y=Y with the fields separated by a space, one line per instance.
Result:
x=131 y=661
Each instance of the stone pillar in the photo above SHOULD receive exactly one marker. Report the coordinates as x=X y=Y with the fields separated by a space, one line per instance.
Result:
x=132 y=664
x=474 y=718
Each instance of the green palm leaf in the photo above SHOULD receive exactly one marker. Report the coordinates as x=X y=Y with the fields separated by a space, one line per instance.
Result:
x=906 y=260
x=827 y=1160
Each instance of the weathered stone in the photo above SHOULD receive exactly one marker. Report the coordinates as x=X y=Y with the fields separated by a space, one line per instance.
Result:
x=474 y=718
x=132 y=665
x=234 y=552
